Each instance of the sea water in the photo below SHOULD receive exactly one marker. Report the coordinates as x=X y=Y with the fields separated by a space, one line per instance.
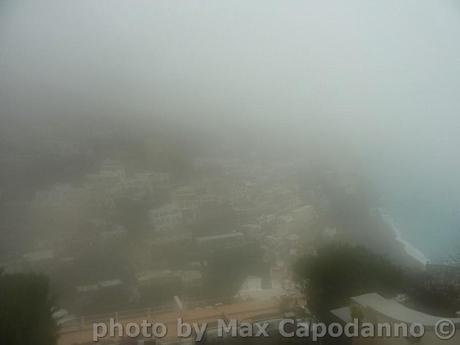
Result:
x=426 y=217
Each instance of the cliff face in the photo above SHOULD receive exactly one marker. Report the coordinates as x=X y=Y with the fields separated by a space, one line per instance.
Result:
x=348 y=206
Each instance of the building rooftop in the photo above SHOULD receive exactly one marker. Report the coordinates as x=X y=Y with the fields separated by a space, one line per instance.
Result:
x=343 y=314
x=390 y=309
x=39 y=255
x=220 y=237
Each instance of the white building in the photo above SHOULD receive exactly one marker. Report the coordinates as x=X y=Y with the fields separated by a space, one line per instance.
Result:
x=379 y=311
x=219 y=242
x=165 y=218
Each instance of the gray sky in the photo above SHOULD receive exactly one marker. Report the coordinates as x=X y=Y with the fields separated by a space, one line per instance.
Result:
x=362 y=70
x=371 y=82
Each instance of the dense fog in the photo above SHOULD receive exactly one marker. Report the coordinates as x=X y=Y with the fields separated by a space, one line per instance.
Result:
x=376 y=83
x=327 y=113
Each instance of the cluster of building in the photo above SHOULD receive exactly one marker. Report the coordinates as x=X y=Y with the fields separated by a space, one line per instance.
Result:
x=83 y=216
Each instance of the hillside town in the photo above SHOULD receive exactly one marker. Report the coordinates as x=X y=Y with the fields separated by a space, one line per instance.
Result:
x=229 y=172
x=150 y=241
x=154 y=245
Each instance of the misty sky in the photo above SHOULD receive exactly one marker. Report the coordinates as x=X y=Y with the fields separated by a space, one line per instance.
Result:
x=369 y=73
x=376 y=81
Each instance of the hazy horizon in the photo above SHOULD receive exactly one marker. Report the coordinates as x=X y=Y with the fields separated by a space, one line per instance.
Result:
x=374 y=84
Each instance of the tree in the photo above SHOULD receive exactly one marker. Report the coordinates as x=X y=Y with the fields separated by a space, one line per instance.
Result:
x=431 y=294
x=339 y=272
x=25 y=310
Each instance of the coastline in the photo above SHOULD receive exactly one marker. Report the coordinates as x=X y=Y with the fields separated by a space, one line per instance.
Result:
x=408 y=247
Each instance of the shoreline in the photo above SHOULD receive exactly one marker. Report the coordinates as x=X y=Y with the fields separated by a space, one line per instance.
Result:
x=408 y=247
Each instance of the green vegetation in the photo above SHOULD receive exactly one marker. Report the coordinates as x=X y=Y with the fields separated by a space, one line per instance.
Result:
x=339 y=272
x=435 y=297
x=25 y=310
x=214 y=219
